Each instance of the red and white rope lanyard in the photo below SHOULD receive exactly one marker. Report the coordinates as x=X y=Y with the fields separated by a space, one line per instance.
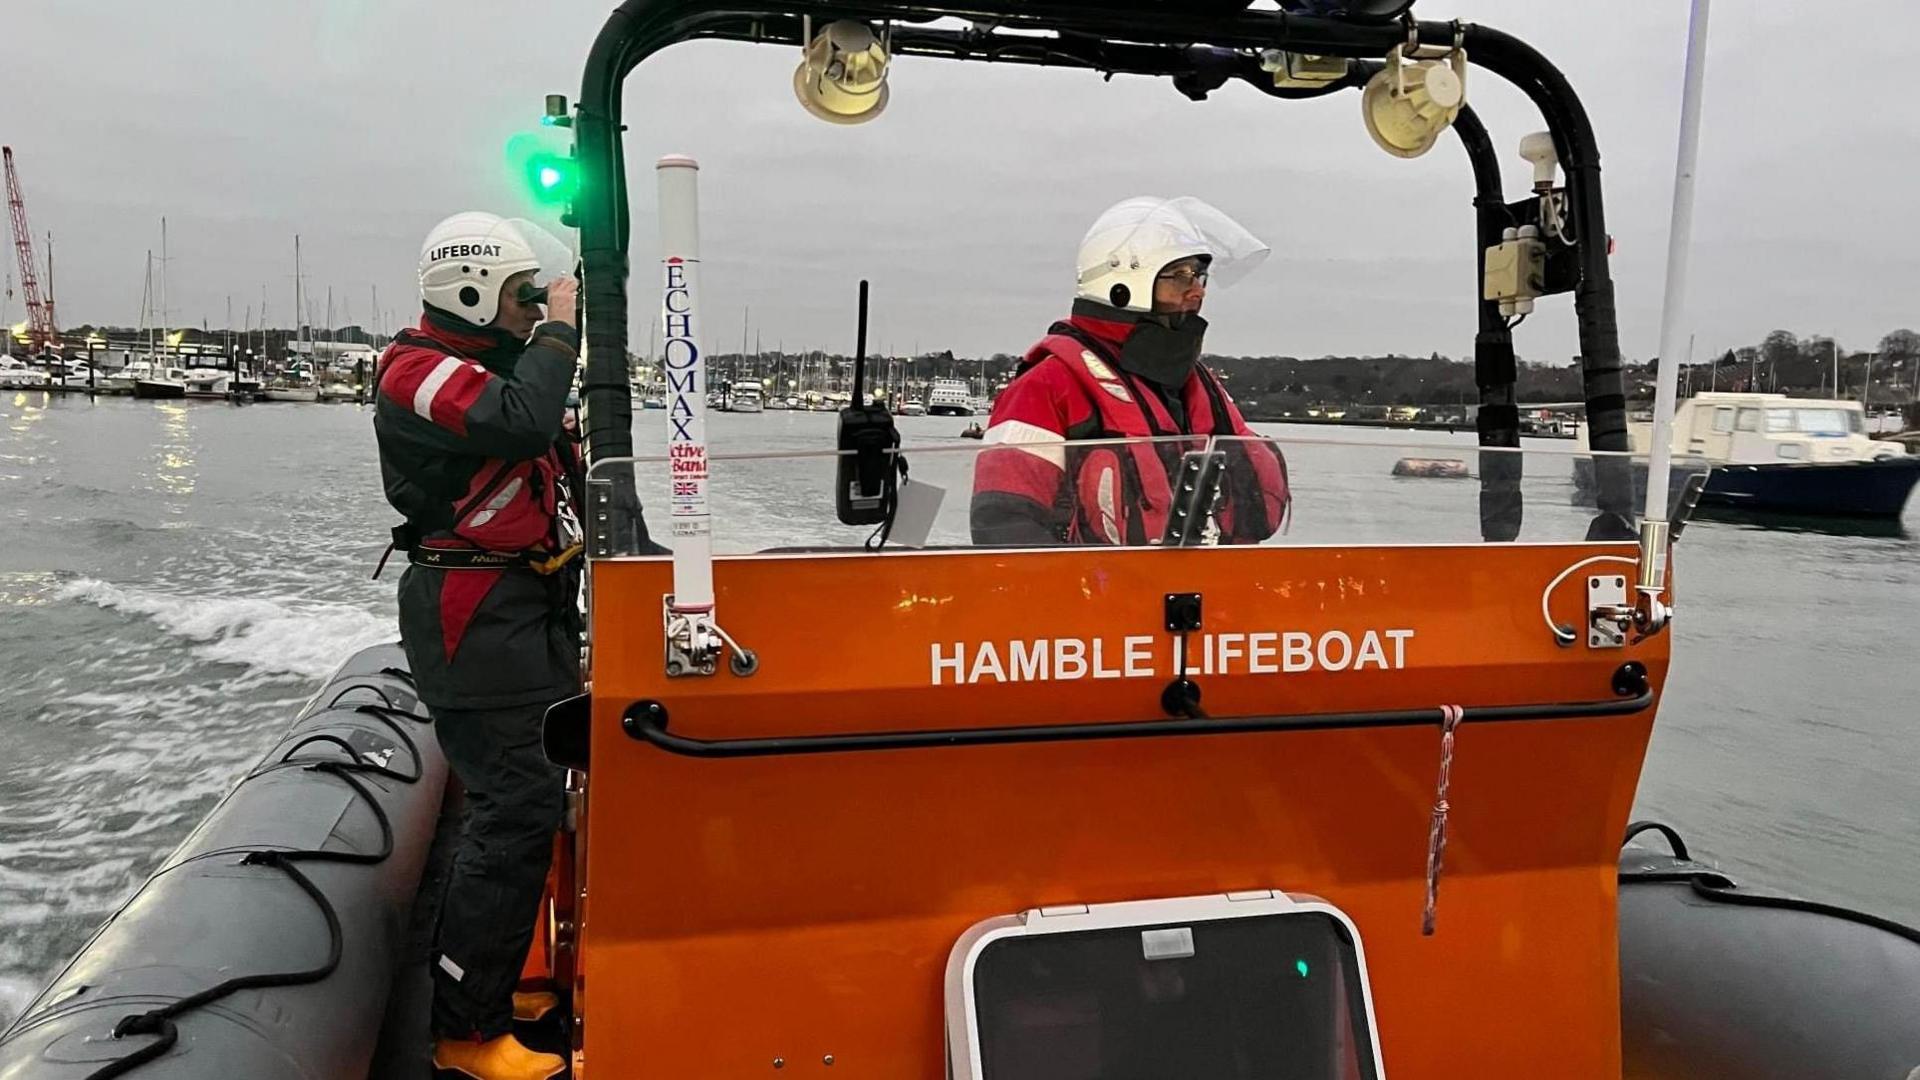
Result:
x=1437 y=832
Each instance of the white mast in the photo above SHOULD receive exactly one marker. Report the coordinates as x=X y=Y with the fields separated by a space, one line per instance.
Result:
x=1650 y=613
x=692 y=635
x=299 y=312
x=164 y=334
x=146 y=305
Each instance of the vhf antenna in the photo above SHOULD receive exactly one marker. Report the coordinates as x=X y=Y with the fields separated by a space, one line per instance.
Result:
x=860 y=352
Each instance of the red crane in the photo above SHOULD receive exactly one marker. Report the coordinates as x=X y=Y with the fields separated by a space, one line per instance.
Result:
x=40 y=326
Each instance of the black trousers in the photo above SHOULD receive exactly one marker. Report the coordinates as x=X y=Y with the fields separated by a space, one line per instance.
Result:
x=515 y=799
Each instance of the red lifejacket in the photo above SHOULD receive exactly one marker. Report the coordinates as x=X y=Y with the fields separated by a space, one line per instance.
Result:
x=445 y=451
x=1070 y=390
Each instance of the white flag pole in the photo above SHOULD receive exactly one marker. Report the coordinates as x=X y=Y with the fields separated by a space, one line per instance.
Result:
x=1654 y=525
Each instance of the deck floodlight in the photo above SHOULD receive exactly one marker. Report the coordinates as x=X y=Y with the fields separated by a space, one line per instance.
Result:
x=1411 y=101
x=843 y=77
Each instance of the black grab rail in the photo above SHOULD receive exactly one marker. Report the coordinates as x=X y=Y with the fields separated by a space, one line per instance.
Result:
x=646 y=721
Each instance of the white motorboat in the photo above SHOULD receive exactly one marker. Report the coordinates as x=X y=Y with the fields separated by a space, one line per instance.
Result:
x=15 y=375
x=745 y=397
x=208 y=382
x=76 y=375
x=121 y=381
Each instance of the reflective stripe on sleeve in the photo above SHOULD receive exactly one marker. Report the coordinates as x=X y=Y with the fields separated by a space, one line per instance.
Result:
x=1043 y=443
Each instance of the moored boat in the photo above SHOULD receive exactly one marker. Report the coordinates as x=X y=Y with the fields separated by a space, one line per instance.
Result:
x=164 y=383
x=288 y=392
x=949 y=397
x=1776 y=454
x=209 y=383
x=121 y=380
x=15 y=375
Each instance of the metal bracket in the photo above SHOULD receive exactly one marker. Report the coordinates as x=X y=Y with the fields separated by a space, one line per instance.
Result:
x=599 y=517
x=1182 y=611
x=1609 y=616
x=693 y=646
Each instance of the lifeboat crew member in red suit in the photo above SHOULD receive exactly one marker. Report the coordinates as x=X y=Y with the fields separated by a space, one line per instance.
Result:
x=474 y=454
x=1126 y=365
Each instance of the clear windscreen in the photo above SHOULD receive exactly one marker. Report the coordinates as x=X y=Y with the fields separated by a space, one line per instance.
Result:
x=1347 y=486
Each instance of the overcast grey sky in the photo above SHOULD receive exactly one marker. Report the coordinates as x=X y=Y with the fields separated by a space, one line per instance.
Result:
x=358 y=124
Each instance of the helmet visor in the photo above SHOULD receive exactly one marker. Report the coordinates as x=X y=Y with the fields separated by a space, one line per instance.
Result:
x=1153 y=229
x=557 y=257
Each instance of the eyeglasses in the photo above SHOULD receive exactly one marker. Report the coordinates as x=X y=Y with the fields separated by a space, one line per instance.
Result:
x=1185 y=278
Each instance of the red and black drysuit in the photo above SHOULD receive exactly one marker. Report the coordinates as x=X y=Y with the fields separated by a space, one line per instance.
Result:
x=474 y=454
x=1033 y=486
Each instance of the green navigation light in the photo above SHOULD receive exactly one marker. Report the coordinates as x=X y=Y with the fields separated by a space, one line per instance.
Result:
x=1301 y=967
x=543 y=159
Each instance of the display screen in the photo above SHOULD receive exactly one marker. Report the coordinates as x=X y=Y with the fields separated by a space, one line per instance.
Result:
x=1265 y=998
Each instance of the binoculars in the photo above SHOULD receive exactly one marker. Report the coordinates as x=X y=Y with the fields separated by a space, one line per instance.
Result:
x=529 y=294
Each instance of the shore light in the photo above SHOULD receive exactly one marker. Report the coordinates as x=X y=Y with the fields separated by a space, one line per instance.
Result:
x=843 y=76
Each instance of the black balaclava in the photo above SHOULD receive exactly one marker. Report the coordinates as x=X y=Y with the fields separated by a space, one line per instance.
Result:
x=1164 y=347
x=501 y=350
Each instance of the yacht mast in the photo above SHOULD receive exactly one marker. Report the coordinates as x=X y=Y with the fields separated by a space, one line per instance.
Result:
x=146 y=305
x=165 y=330
x=299 y=312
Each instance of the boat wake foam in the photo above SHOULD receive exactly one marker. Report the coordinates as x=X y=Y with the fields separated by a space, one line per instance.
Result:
x=15 y=993
x=271 y=637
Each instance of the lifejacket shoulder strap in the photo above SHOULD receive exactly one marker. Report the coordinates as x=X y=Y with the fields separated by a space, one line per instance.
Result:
x=1069 y=335
x=1216 y=401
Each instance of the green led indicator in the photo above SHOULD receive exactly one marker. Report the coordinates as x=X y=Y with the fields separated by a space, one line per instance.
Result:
x=1301 y=967
x=549 y=176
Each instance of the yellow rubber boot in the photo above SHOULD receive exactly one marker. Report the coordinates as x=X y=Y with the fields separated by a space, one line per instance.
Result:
x=532 y=1005
x=496 y=1059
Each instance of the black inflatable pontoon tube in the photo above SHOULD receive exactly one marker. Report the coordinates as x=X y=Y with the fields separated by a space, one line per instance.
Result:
x=647 y=721
x=265 y=946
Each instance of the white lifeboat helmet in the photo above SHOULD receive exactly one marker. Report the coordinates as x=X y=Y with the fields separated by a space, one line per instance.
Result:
x=1135 y=239
x=465 y=260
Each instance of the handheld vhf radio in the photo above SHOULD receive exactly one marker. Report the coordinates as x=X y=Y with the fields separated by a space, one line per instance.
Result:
x=863 y=488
